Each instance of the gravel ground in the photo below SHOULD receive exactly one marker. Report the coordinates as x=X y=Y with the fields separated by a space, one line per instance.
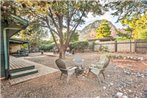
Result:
x=128 y=80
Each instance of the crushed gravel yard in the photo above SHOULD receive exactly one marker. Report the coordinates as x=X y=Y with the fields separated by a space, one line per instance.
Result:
x=126 y=77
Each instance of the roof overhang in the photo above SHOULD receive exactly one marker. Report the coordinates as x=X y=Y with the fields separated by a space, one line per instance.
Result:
x=17 y=41
x=19 y=23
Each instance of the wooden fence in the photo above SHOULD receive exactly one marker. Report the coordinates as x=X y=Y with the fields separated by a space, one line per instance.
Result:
x=123 y=46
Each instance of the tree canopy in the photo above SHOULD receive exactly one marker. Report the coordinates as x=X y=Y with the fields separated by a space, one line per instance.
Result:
x=104 y=30
x=138 y=26
x=58 y=17
x=133 y=14
x=65 y=16
x=127 y=8
x=34 y=34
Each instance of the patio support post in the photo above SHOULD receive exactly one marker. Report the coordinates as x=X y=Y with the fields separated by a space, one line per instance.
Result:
x=5 y=52
x=2 y=63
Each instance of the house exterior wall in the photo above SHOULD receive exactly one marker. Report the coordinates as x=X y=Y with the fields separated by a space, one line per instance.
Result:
x=14 y=47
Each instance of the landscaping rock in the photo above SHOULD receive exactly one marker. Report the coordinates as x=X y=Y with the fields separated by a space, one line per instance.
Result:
x=97 y=97
x=104 y=87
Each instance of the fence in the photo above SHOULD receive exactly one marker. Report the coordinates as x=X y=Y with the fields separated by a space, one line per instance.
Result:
x=123 y=46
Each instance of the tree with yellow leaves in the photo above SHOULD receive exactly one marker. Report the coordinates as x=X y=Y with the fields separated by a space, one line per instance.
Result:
x=104 y=30
x=138 y=26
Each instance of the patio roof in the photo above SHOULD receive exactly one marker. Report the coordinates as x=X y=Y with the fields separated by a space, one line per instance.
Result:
x=19 y=23
x=10 y=26
x=18 y=41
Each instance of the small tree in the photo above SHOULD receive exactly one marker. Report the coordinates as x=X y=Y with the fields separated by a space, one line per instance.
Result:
x=103 y=30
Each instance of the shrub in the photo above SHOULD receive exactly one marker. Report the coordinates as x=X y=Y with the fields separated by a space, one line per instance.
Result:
x=122 y=39
x=80 y=45
x=46 y=47
x=103 y=49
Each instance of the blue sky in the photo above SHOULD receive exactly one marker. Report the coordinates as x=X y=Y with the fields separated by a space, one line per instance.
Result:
x=106 y=16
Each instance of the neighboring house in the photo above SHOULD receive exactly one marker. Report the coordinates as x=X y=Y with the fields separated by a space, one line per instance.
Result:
x=15 y=45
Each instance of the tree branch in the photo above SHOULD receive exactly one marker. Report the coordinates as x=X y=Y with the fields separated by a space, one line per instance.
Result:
x=51 y=15
x=47 y=21
x=73 y=29
x=52 y=33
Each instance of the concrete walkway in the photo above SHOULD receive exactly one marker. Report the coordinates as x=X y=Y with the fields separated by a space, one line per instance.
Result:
x=42 y=70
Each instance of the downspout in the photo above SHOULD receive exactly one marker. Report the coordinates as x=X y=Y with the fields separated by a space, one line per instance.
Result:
x=6 y=50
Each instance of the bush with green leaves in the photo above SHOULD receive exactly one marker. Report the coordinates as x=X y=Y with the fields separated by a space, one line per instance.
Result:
x=103 y=49
x=46 y=47
x=79 y=45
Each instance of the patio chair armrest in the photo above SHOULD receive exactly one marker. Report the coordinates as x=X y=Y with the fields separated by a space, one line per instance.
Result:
x=95 y=71
x=63 y=69
x=95 y=66
x=83 y=60
x=71 y=68
x=73 y=60
x=92 y=65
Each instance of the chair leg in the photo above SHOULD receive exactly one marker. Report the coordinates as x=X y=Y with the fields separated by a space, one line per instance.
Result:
x=68 y=77
x=98 y=79
x=61 y=76
x=103 y=75
x=88 y=72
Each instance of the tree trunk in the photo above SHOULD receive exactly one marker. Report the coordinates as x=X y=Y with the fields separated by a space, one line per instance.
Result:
x=62 y=52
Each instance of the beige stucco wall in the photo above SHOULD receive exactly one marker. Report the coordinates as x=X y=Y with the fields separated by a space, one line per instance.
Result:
x=14 y=48
x=109 y=44
x=122 y=46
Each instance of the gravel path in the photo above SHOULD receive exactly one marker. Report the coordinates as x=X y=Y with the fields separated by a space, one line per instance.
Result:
x=129 y=82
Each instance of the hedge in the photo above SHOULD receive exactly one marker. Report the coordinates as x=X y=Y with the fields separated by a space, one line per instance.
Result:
x=79 y=45
x=46 y=47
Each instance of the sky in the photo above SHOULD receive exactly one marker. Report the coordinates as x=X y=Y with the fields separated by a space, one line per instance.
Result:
x=106 y=16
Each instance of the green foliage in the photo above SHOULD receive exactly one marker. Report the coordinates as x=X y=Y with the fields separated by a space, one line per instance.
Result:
x=45 y=42
x=103 y=30
x=133 y=14
x=123 y=35
x=127 y=8
x=24 y=46
x=46 y=47
x=138 y=26
x=75 y=37
x=34 y=34
x=59 y=17
x=79 y=45
x=122 y=39
x=103 y=49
